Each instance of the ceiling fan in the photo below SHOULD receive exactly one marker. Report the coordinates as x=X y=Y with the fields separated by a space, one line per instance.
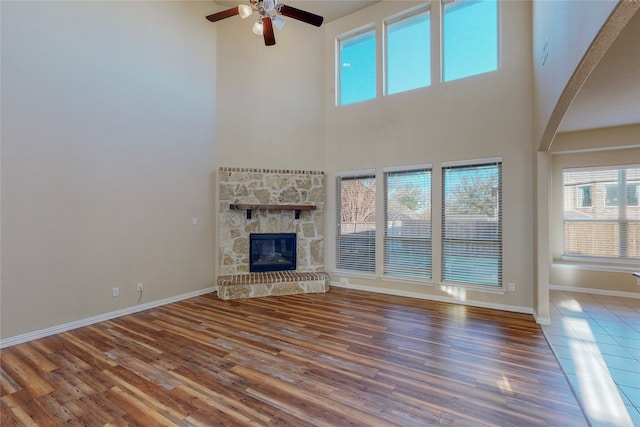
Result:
x=267 y=11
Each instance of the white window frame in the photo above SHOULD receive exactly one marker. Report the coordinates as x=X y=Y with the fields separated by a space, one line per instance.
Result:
x=622 y=218
x=499 y=286
x=394 y=19
x=409 y=275
x=340 y=265
x=338 y=50
x=443 y=5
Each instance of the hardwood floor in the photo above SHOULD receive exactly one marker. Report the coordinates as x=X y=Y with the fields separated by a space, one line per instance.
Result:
x=344 y=358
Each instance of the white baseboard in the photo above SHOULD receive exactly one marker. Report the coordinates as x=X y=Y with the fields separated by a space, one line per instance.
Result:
x=541 y=320
x=605 y=292
x=18 y=339
x=481 y=304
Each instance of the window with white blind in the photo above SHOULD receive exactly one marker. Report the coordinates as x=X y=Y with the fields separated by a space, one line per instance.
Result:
x=407 y=215
x=609 y=225
x=356 y=222
x=472 y=222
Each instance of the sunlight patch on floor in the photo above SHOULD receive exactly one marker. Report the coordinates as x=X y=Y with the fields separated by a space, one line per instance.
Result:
x=600 y=395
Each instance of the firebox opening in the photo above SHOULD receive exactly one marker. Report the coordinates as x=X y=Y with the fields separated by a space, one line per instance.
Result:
x=272 y=252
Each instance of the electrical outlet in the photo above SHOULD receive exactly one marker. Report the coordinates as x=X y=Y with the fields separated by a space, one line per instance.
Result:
x=512 y=286
x=139 y=287
x=116 y=291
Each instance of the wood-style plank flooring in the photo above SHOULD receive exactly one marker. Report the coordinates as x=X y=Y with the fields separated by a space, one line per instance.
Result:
x=344 y=358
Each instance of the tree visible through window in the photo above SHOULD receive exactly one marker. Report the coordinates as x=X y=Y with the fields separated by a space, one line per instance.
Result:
x=407 y=235
x=472 y=223
x=356 y=225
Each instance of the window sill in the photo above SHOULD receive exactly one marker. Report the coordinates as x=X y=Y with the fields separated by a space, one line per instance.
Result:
x=622 y=267
x=409 y=280
x=488 y=289
x=349 y=273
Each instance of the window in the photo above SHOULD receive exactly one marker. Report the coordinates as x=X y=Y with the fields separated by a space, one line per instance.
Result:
x=407 y=234
x=584 y=194
x=472 y=222
x=356 y=222
x=408 y=51
x=470 y=38
x=609 y=226
x=612 y=192
x=357 y=61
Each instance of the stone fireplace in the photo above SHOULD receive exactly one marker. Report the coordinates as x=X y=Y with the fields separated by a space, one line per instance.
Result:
x=270 y=201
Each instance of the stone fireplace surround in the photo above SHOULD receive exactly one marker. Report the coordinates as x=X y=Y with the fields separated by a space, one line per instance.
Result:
x=266 y=190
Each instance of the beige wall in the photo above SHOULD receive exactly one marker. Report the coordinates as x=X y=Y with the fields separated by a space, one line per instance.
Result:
x=598 y=147
x=567 y=28
x=270 y=99
x=108 y=124
x=483 y=116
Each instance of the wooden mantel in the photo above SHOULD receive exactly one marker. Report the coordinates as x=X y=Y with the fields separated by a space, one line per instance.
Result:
x=249 y=207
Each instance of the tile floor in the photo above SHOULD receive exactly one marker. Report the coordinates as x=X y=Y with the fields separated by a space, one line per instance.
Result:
x=597 y=340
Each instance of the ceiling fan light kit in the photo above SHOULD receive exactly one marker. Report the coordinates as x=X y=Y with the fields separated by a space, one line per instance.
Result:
x=268 y=11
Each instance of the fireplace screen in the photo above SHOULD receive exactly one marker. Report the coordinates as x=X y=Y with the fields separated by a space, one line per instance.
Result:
x=272 y=252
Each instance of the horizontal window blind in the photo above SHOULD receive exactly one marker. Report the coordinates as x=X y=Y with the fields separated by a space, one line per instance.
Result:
x=472 y=223
x=407 y=216
x=356 y=224
x=601 y=212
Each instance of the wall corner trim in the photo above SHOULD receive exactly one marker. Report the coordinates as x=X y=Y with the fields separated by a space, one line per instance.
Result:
x=546 y=321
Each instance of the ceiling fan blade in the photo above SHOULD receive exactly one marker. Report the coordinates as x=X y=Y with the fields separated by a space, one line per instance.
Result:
x=223 y=14
x=267 y=32
x=300 y=15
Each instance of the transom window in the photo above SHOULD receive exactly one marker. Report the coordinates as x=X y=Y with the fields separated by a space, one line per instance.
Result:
x=357 y=66
x=470 y=38
x=408 y=51
x=609 y=225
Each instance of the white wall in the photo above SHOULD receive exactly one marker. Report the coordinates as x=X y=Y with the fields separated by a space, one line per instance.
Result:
x=108 y=125
x=487 y=115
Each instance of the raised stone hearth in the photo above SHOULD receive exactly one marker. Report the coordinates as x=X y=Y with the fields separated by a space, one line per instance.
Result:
x=271 y=284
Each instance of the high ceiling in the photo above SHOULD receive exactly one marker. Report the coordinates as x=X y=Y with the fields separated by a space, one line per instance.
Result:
x=611 y=94
x=609 y=97
x=329 y=9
